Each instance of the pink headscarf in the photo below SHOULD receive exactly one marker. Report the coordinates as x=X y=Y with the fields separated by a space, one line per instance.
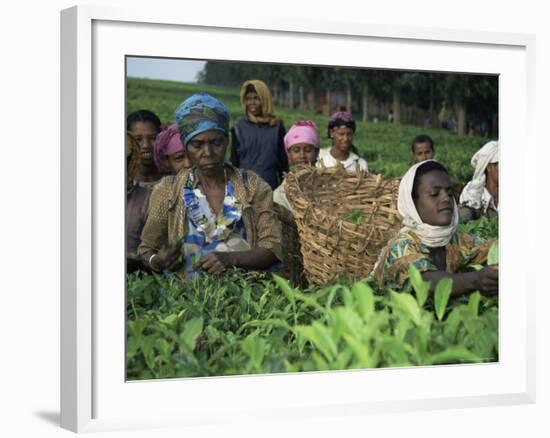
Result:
x=168 y=142
x=302 y=131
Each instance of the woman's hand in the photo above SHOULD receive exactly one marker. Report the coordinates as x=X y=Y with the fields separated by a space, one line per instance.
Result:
x=215 y=263
x=487 y=280
x=169 y=257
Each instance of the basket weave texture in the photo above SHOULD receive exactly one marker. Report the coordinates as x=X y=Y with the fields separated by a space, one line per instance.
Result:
x=343 y=218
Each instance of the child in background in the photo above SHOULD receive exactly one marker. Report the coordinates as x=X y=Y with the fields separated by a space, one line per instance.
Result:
x=422 y=148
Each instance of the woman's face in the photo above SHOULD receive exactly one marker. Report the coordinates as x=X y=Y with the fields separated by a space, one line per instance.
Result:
x=342 y=138
x=206 y=150
x=175 y=162
x=422 y=152
x=253 y=103
x=302 y=153
x=434 y=202
x=144 y=133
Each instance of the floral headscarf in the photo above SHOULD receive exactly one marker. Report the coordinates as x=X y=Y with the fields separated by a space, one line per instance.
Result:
x=199 y=113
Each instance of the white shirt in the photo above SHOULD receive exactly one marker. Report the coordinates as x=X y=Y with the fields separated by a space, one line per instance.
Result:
x=327 y=160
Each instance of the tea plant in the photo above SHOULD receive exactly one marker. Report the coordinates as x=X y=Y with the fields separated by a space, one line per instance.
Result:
x=242 y=324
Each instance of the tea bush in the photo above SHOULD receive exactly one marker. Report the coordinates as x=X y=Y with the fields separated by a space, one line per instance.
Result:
x=243 y=323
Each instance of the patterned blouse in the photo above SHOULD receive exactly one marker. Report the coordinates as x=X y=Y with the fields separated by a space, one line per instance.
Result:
x=208 y=232
x=178 y=214
x=406 y=248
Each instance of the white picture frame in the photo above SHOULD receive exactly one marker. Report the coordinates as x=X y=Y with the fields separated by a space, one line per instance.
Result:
x=94 y=395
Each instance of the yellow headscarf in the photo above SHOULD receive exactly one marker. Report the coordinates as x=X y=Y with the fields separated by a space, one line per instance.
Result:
x=266 y=115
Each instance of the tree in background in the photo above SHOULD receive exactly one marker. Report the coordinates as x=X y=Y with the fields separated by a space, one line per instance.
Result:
x=462 y=101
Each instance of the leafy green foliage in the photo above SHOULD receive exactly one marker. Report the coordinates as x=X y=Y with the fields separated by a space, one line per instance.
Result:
x=442 y=293
x=250 y=323
x=492 y=257
x=354 y=216
x=484 y=228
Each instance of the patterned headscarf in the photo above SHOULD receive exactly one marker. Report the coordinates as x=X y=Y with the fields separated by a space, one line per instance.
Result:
x=302 y=131
x=199 y=113
x=472 y=194
x=340 y=118
x=266 y=111
x=433 y=236
x=168 y=142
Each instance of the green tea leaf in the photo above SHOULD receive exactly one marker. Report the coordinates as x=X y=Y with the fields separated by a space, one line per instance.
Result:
x=395 y=353
x=212 y=333
x=320 y=363
x=452 y=322
x=360 y=350
x=453 y=355
x=441 y=297
x=132 y=346
x=164 y=347
x=170 y=320
x=255 y=348
x=364 y=300
x=421 y=340
x=348 y=297
x=191 y=331
x=136 y=327
x=473 y=303
x=146 y=344
x=355 y=216
x=349 y=321
x=285 y=288
x=408 y=305
x=319 y=336
x=420 y=286
x=492 y=256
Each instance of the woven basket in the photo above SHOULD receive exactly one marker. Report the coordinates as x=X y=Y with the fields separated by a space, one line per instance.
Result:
x=331 y=244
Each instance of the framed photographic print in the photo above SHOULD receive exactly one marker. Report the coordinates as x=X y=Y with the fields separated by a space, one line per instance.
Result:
x=99 y=389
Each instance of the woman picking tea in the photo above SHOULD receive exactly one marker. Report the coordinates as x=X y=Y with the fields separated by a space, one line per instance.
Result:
x=212 y=217
x=430 y=239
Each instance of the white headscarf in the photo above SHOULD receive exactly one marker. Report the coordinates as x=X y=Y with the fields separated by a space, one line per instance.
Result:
x=430 y=235
x=473 y=192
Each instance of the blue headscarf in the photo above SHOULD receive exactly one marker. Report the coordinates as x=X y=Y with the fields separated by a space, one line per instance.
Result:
x=199 y=113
